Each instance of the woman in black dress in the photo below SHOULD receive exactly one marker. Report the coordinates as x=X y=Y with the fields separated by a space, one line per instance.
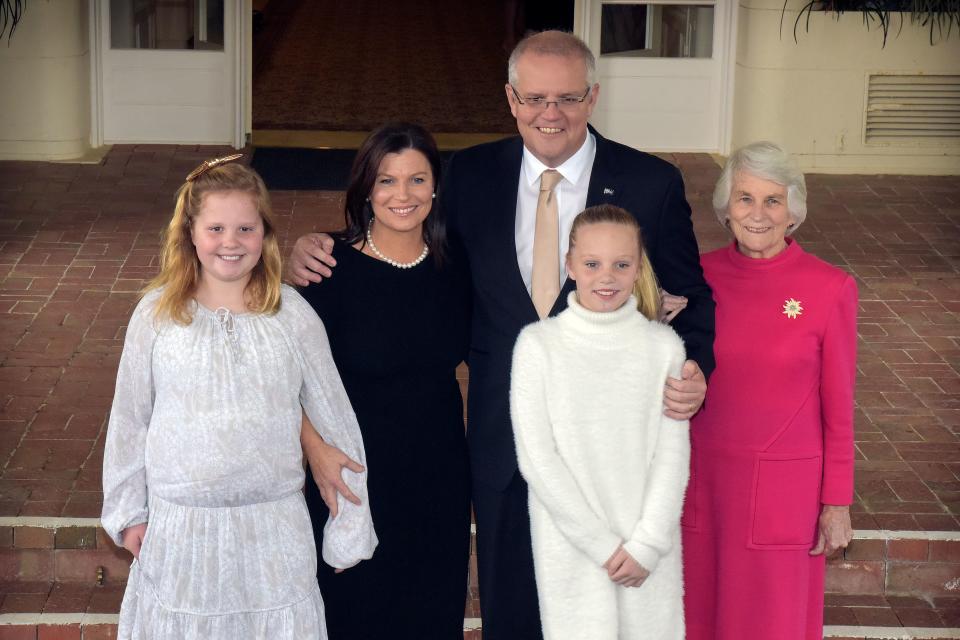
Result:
x=397 y=316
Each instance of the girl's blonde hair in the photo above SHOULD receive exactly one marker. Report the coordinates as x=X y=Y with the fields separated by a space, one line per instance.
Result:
x=645 y=288
x=179 y=266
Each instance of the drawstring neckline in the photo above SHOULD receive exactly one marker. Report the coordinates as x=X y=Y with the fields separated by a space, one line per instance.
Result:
x=227 y=322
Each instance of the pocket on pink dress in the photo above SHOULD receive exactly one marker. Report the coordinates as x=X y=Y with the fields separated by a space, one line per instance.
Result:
x=785 y=502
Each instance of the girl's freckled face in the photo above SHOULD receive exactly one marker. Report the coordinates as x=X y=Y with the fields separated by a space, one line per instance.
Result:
x=228 y=236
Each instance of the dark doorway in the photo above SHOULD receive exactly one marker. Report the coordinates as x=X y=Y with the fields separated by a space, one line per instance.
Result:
x=350 y=65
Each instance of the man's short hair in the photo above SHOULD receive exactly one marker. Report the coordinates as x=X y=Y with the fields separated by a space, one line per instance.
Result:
x=554 y=43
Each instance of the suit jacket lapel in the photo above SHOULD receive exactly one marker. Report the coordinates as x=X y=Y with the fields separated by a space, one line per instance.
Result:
x=605 y=180
x=507 y=182
x=604 y=188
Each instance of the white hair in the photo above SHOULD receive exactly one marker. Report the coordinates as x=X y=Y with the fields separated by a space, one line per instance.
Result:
x=768 y=161
x=555 y=43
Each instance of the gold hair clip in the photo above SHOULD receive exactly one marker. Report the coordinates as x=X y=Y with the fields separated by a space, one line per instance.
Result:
x=210 y=164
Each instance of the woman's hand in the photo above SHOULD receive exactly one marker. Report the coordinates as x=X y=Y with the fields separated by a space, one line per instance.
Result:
x=670 y=305
x=132 y=538
x=835 y=530
x=624 y=570
x=311 y=259
x=326 y=467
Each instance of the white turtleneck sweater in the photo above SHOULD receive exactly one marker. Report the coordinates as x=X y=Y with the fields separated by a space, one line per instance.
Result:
x=603 y=464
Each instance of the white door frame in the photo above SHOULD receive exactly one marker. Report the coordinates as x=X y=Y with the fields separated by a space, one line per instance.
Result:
x=727 y=24
x=96 y=74
x=242 y=69
x=728 y=66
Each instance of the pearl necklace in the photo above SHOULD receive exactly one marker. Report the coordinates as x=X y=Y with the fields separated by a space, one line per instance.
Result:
x=394 y=263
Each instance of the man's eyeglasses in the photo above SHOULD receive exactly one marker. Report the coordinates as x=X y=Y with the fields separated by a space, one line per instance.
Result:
x=542 y=104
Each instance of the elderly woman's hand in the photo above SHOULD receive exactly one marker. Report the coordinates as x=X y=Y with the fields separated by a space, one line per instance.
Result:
x=835 y=530
x=670 y=305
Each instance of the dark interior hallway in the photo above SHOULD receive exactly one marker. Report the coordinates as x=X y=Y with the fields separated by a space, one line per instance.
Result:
x=350 y=65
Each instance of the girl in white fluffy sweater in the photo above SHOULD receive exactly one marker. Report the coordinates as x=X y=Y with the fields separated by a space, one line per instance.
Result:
x=606 y=469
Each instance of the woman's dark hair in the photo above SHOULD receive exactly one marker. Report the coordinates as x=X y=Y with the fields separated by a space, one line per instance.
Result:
x=392 y=137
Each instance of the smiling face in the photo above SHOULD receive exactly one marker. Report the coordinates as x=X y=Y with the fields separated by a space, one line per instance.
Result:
x=758 y=215
x=552 y=134
x=402 y=194
x=228 y=236
x=604 y=261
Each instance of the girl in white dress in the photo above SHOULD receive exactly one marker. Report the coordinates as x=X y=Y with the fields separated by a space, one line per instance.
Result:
x=202 y=470
x=606 y=469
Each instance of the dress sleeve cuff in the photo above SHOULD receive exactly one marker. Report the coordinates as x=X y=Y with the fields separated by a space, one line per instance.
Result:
x=115 y=527
x=837 y=488
x=603 y=547
x=644 y=554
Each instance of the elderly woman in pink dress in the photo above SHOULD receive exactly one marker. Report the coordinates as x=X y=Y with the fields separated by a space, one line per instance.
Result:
x=772 y=450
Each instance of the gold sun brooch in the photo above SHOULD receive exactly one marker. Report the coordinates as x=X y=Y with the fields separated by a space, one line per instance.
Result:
x=792 y=308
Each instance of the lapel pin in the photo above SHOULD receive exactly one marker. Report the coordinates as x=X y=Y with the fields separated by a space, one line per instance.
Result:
x=792 y=308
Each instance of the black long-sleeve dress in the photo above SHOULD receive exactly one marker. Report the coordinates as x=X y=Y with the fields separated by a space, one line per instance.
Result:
x=397 y=336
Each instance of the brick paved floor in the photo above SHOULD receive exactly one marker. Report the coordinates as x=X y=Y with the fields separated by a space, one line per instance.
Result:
x=78 y=241
x=853 y=610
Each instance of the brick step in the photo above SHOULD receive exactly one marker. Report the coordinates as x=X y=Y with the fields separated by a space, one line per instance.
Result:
x=21 y=597
x=37 y=550
x=905 y=583
x=894 y=612
x=76 y=626
x=898 y=563
x=878 y=562
x=70 y=565
x=60 y=626
x=889 y=633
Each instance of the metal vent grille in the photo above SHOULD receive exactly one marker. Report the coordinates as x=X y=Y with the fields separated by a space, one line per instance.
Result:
x=916 y=109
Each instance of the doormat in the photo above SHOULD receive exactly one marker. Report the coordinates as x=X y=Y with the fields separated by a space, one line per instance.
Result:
x=291 y=169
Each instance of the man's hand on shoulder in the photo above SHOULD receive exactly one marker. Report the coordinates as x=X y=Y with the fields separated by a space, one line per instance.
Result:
x=670 y=306
x=682 y=397
x=311 y=259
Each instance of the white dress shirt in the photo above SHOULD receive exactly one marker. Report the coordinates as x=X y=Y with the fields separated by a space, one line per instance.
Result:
x=571 y=194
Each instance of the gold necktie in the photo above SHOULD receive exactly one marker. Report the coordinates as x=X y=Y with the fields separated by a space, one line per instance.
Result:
x=545 y=280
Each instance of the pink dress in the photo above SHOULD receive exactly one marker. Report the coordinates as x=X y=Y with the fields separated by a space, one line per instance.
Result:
x=773 y=442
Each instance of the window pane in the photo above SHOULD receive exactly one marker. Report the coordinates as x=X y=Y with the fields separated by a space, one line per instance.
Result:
x=656 y=31
x=166 y=24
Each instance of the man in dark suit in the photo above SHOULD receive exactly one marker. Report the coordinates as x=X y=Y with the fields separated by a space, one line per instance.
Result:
x=490 y=197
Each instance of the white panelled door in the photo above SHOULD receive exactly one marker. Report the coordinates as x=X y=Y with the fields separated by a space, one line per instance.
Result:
x=168 y=71
x=664 y=71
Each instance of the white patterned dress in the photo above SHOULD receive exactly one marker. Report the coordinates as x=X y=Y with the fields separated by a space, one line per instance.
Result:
x=203 y=444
